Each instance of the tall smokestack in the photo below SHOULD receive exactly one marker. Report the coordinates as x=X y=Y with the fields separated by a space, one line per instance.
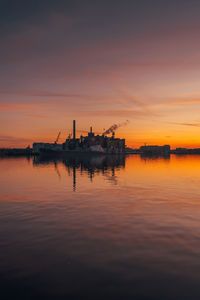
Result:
x=74 y=129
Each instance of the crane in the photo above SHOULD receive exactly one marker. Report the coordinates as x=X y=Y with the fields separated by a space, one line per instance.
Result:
x=57 y=137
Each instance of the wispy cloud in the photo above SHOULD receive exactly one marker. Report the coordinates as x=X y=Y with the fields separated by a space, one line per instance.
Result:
x=130 y=100
x=38 y=116
x=13 y=139
x=178 y=102
x=42 y=94
x=22 y=107
x=125 y=113
x=185 y=124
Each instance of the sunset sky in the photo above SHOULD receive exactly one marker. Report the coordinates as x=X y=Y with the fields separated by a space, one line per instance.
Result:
x=100 y=62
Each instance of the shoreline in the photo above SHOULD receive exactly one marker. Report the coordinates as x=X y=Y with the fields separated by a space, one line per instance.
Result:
x=28 y=152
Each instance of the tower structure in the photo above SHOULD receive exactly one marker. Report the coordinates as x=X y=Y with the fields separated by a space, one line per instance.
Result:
x=74 y=129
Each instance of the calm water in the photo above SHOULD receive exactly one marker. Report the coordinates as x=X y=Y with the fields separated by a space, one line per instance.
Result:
x=100 y=228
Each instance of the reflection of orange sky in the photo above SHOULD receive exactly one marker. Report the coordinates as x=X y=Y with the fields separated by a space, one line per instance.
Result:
x=154 y=201
x=175 y=165
x=176 y=178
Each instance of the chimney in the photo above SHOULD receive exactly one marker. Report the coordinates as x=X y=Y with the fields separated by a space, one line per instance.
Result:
x=74 y=129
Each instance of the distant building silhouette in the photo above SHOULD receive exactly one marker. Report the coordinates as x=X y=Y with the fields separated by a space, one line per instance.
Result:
x=155 y=150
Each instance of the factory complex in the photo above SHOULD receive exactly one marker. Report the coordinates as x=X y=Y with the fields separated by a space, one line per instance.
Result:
x=91 y=143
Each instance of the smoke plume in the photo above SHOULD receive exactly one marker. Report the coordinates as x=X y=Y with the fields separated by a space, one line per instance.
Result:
x=114 y=127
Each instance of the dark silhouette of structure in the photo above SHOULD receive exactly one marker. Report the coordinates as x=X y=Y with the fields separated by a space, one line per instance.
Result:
x=84 y=144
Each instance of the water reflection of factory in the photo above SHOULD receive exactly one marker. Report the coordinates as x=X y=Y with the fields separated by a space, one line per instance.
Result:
x=92 y=165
